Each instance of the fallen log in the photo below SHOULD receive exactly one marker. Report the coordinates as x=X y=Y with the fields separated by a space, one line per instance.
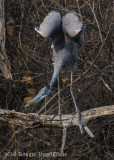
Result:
x=32 y=119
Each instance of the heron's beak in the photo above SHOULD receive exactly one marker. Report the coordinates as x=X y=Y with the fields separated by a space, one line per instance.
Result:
x=36 y=99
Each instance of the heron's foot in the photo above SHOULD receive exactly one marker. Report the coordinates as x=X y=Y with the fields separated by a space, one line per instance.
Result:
x=80 y=122
x=34 y=116
x=81 y=128
x=59 y=117
x=53 y=117
x=73 y=113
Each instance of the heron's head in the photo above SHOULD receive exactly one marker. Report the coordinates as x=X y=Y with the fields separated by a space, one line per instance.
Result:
x=41 y=95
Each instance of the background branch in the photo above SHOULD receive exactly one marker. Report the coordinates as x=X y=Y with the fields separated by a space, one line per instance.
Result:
x=5 y=65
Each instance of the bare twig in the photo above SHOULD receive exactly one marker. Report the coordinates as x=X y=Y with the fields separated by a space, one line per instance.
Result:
x=95 y=20
x=105 y=84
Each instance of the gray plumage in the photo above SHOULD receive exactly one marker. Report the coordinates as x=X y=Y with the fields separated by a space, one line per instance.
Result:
x=71 y=24
x=63 y=32
x=50 y=24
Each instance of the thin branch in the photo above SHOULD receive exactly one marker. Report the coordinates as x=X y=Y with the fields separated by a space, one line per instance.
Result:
x=95 y=20
x=105 y=84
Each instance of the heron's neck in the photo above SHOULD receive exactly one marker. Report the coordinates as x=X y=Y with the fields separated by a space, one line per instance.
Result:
x=58 y=40
x=57 y=69
x=71 y=45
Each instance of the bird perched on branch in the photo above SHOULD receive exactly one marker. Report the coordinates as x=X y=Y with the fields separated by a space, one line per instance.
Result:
x=64 y=32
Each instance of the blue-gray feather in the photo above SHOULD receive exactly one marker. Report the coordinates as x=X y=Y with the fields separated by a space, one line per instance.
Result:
x=51 y=23
x=63 y=32
x=71 y=24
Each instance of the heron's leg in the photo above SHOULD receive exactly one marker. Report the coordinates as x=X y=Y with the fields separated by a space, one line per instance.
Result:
x=59 y=105
x=76 y=107
x=45 y=105
x=45 y=112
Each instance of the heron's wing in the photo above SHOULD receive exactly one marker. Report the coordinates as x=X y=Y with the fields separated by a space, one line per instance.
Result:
x=78 y=38
x=51 y=23
x=72 y=25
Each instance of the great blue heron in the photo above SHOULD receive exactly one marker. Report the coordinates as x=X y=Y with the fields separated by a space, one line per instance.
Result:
x=64 y=32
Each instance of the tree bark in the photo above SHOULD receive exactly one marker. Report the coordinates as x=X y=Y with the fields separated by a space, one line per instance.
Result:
x=32 y=120
x=5 y=65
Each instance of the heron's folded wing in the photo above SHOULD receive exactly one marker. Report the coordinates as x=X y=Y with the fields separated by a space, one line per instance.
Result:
x=51 y=23
x=71 y=24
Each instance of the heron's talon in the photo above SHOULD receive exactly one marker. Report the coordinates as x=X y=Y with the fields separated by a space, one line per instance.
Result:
x=60 y=118
x=73 y=113
x=81 y=129
x=55 y=116
x=34 y=116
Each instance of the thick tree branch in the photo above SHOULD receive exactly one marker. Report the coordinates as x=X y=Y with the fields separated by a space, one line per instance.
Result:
x=34 y=120
x=5 y=65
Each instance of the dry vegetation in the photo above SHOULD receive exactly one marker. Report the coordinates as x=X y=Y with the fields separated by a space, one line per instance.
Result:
x=30 y=58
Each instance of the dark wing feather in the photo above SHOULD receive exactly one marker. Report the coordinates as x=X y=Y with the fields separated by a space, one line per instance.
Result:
x=71 y=24
x=51 y=23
